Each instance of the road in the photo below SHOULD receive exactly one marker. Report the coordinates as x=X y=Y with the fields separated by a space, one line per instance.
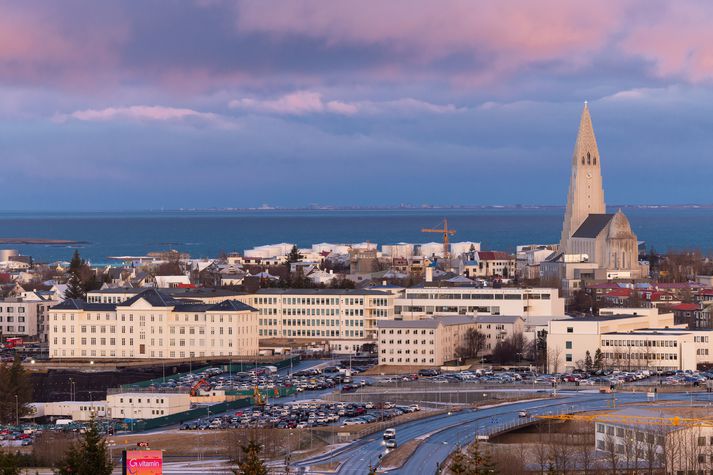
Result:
x=443 y=433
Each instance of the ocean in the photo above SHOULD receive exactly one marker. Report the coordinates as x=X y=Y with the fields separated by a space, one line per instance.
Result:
x=207 y=233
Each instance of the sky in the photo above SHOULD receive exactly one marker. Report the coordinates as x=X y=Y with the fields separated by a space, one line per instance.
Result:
x=224 y=103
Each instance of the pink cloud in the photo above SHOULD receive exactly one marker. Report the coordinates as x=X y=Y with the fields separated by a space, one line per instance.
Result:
x=677 y=38
x=309 y=102
x=144 y=113
x=296 y=103
x=511 y=32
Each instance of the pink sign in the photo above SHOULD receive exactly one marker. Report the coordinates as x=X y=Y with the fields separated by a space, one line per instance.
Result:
x=144 y=462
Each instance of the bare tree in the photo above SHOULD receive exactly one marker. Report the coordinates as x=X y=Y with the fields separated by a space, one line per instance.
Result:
x=553 y=359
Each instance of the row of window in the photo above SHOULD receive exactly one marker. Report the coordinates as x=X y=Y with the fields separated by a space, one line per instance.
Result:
x=406 y=332
x=408 y=360
x=12 y=309
x=10 y=319
x=314 y=301
x=310 y=322
x=154 y=354
x=407 y=351
x=407 y=342
x=153 y=318
x=641 y=356
x=503 y=296
x=642 y=343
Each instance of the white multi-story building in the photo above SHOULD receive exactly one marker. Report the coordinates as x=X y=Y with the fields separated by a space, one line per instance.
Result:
x=645 y=340
x=152 y=325
x=324 y=314
x=26 y=316
x=497 y=328
x=75 y=410
x=427 y=342
x=146 y=405
x=421 y=302
x=637 y=440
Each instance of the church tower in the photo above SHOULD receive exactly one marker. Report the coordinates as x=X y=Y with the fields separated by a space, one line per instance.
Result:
x=586 y=194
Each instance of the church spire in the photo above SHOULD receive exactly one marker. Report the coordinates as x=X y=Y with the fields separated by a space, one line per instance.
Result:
x=586 y=194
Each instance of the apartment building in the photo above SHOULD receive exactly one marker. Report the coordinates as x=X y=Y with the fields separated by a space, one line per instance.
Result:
x=342 y=314
x=146 y=405
x=498 y=328
x=489 y=264
x=26 y=316
x=426 y=301
x=428 y=342
x=151 y=324
x=646 y=340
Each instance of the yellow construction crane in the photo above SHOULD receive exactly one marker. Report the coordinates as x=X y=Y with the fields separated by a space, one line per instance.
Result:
x=614 y=418
x=446 y=232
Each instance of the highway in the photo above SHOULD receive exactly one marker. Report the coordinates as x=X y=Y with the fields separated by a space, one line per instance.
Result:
x=441 y=434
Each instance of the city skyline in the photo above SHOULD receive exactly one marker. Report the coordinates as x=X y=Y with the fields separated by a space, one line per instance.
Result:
x=234 y=104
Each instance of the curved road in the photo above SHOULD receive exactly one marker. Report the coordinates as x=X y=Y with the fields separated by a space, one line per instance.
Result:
x=441 y=434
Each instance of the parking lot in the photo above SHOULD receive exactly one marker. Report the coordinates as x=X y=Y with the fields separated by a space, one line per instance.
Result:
x=301 y=415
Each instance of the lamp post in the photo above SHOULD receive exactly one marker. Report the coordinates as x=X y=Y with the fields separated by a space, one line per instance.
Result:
x=17 y=410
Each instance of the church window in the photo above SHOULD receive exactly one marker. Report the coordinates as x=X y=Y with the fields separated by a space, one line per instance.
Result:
x=594 y=160
x=589 y=159
x=582 y=159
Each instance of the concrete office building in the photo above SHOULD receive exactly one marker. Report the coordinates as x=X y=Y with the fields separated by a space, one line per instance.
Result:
x=146 y=405
x=75 y=410
x=426 y=301
x=647 y=340
x=347 y=318
x=152 y=325
x=428 y=342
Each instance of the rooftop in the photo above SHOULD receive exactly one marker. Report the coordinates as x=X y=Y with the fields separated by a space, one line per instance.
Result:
x=321 y=292
x=157 y=298
x=426 y=323
x=593 y=225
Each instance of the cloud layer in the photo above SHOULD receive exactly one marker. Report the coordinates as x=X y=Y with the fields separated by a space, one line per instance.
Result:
x=305 y=101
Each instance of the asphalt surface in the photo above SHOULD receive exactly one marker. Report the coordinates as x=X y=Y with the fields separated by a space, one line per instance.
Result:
x=441 y=434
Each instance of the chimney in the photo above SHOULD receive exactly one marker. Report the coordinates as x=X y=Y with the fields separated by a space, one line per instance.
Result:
x=429 y=274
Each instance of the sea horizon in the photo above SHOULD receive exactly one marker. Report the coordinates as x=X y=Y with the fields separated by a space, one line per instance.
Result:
x=206 y=233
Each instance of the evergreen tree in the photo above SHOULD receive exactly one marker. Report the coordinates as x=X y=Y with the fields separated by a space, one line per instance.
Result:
x=9 y=464
x=15 y=392
x=588 y=361
x=598 y=359
x=251 y=463
x=294 y=255
x=75 y=286
x=89 y=457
